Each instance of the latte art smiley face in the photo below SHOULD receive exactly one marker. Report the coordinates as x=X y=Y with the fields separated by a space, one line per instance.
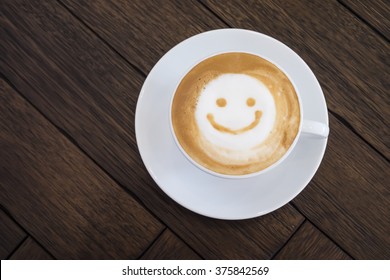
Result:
x=235 y=113
x=221 y=102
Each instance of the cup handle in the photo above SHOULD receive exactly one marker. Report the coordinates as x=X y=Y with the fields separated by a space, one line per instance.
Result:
x=315 y=128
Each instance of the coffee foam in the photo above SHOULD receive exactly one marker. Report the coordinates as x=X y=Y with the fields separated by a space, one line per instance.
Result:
x=235 y=113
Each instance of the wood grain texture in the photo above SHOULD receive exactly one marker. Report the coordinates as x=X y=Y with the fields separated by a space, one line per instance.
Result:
x=59 y=195
x=11 y=235
x=30 y=250
x=144 y=30
x=349 y=198
x=90 y=92
x=308 y=243
x=350 y=61
x=375 y=12
x=169 y=247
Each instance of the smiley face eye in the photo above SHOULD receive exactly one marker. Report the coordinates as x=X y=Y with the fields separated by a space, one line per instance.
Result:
x=250 y=102
x=221 y=102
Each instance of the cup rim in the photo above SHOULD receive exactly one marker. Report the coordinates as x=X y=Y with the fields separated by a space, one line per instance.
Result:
x=232 y=176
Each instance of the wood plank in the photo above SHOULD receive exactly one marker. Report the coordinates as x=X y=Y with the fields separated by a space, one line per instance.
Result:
x=30 y=250
x=350 y=61
x=11 y=235
x=349 y=198
x=142 y=39
x=90 y=92
x=59 y=195
x=375 y=12
x=308 y=243
x=169 y=247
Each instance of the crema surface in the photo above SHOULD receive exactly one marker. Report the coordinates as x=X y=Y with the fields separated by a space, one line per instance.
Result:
x=235 y=113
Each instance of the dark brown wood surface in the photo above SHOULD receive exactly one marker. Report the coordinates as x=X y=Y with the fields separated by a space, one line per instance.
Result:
x=30 y=250
x=73 y=178
x=169 y=247
x=308 y=243
x=375 y=13
x=11 y=235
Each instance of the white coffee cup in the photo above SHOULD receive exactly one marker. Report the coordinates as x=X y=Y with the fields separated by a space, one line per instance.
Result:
x=307 y=128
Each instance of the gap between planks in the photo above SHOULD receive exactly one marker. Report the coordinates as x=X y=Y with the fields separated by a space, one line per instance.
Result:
x=290 y=237
x=135 y=67
x=376 y=31
x=19 y=225
x=319 y=229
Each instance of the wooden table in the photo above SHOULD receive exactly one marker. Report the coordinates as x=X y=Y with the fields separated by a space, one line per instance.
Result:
x=72 y=183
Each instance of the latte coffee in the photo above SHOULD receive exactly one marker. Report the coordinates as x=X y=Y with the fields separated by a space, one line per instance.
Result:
x=235 y=113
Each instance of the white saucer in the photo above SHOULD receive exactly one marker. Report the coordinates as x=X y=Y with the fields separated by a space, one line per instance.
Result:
x=193 y=188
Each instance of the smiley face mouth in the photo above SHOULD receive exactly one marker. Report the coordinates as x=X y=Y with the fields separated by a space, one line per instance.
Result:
x=224 y=129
